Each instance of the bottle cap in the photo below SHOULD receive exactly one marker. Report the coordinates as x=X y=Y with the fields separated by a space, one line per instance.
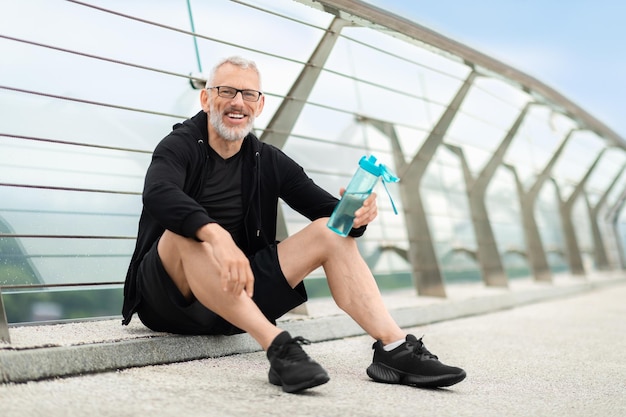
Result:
x=380 y=170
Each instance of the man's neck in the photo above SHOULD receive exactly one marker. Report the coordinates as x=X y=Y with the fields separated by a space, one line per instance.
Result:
x=224 y=148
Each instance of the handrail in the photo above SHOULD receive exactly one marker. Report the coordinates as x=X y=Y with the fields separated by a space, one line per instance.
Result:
x=366 y=14
x=70 y=284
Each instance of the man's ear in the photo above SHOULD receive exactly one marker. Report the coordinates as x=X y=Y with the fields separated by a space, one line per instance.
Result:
x=260 y=106
x=204 y=100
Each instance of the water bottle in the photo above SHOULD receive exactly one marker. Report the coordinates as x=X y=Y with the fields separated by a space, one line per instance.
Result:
x=360 y=187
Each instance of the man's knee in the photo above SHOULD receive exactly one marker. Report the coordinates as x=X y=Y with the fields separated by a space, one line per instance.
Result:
x=328 y=239
x=169 y=250
x=174 y=245
x=320 y=224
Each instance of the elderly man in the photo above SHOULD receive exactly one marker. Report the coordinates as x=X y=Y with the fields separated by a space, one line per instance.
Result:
x=207 y=260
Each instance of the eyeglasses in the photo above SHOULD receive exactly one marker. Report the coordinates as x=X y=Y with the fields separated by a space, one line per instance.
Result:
x=231 y=92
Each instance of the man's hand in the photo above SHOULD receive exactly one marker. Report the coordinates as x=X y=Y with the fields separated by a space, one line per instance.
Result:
x=367 y=213
x=234 y=269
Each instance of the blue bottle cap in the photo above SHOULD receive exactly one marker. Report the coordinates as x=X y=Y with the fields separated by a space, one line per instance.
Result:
x=380 y=170
x=369 y=164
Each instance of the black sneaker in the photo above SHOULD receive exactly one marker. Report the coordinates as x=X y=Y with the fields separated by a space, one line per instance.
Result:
x=412 y=364
x=291 y=367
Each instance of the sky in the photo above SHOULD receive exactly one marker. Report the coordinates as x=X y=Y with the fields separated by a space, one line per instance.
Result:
x=575 y=46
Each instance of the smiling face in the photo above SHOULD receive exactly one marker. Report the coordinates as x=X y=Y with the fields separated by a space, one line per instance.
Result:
x=231 y=119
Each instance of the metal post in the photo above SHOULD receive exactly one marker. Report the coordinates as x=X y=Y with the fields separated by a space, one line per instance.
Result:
x=4 y=325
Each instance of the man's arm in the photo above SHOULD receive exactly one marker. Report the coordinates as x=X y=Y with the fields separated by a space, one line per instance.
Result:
x=166 y=188
x=302 y=194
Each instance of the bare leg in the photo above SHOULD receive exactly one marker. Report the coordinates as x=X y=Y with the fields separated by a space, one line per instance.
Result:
x=350 y=280
x=193 y=268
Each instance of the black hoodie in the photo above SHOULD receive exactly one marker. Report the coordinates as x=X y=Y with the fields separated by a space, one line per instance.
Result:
x=175 y=179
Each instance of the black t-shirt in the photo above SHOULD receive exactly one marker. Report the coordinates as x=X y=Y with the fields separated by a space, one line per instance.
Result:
x=222 y=193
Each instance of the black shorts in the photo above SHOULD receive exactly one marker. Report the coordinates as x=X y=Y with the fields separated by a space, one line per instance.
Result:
x=163 y=308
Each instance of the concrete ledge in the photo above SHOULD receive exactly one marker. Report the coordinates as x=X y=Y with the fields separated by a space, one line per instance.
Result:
x=49 y=351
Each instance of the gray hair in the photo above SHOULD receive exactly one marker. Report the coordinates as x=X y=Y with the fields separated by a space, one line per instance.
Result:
x=237 y=61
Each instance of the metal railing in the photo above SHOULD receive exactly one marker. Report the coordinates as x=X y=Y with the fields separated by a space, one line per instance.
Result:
x=422 y=145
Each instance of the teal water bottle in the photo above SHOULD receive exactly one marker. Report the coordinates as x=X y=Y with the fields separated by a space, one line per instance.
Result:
x=360 y=187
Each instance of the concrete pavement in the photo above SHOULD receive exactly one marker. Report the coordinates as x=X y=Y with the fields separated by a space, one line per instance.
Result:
x=560 y=357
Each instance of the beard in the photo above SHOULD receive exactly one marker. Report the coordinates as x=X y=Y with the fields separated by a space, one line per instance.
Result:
x=229 y=133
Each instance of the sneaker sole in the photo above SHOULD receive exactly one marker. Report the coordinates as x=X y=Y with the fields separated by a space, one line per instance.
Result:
x=317 y=380
x=380 y=372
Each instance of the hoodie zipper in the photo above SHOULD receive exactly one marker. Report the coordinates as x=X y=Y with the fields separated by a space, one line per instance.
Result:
x=257 y=155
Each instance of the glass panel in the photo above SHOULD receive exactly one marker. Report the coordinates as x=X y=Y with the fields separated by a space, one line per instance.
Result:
x=64 y=260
